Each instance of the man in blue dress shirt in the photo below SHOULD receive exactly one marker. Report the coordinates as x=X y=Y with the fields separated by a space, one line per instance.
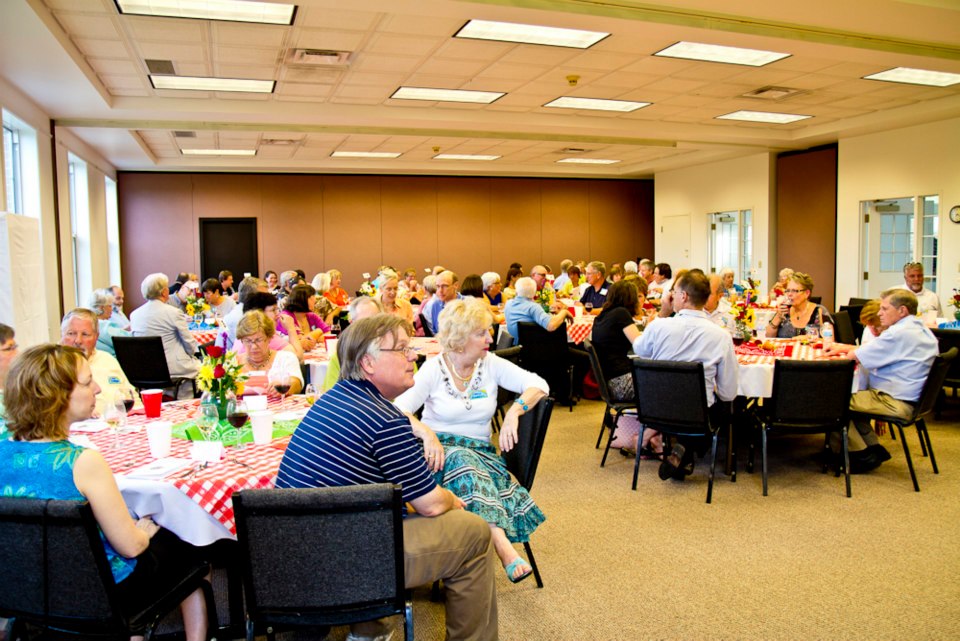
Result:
x=523 y=309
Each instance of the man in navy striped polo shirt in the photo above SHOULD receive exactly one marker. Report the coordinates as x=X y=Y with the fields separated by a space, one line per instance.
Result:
x=354 y=435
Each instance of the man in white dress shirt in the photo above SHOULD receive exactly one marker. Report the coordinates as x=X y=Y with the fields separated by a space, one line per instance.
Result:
x=926 y=299
x=691 y=336
x=898 y=362
x=157 y=318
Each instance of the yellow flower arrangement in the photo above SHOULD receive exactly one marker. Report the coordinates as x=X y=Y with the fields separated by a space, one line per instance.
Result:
x=196 y=305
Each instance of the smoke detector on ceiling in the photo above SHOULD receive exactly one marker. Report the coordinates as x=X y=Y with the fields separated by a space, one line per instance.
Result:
x=319 y=58
x=773 y=93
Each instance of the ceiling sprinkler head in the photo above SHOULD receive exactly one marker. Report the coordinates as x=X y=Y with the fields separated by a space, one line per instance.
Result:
x=573 y=79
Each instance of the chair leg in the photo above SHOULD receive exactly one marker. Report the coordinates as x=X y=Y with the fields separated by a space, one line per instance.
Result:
x=533 y=563
x=906 y=452
x=731 y=454
x=613 y=430
x=925 y=435
x=713 y=467
x=846 y=459
x=923 y=445
x=636 y=460
x=408 y=621
x=763 y=457
x=603 y=425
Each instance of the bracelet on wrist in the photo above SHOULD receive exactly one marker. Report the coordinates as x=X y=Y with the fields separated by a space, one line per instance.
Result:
x=523 y=404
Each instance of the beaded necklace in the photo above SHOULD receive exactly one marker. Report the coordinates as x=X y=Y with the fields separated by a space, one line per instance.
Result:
x=452 y=390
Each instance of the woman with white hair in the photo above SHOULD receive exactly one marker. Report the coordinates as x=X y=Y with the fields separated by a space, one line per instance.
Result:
x=392 y=303
x=458 y=393
x=492 y=288
x=323 y=306
x=780 y=287
x=730 y=289
x=101 y=302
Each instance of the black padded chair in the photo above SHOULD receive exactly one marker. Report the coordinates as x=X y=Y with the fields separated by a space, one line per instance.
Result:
x=859 y=301
x=843 y=328
x=425 y=325
x=816 y=300
x=614 y=409
x=505 y=396
x=673 y=401
x=548 y=354
x=948 y=338
x=853 y=311
x=57 y=577
x=928 y=399
x=809 y=397
x=313 y=558
x=143 y=361
x=522 y=461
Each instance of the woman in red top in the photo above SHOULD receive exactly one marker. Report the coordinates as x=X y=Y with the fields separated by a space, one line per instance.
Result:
x=336 y=294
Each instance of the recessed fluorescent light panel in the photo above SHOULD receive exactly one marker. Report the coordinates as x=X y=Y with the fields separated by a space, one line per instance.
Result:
x=530 y=34
x=218 y=152
x=464 y=157
x=597 y=104
x=365 y=154
x=588 y=161
x=261 y=12
x=196 y=83
x=768 y=117
x=910 y=76
x=446 y=95
x=719 y=53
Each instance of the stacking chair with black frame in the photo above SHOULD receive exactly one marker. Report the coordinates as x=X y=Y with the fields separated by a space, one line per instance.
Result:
x=505 y=396
x=319 y=557
x=853 y=312
x=548 y=354
x=948 y=338
x=58 y=579
x=614 y=409
x=524 y=458
x=809 y=397
x=143 y=360
x=843 y=328
x=928 y=399
x=673 y=401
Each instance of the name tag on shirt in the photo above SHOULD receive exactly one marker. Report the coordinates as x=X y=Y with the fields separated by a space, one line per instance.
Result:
x=477 y=394
x=114 y=380
x=603 y=292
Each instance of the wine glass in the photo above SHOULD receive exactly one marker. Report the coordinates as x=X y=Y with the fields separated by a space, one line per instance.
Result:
x=280 y=381
x=128 y=397
x=311 y=393
x=115 y=414
x=208 y=420
x=237 y=417
x=588 y=307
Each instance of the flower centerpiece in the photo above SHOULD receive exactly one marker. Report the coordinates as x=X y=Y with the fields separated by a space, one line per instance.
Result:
x=742 y=309
x=366 y=287
x=220 y=375
x=955 y=303
x=196 y=305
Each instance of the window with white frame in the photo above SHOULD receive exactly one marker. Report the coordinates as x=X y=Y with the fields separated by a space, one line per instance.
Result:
x=80 y=226
x=21 y=168
x=13 y=183
x=113 y=229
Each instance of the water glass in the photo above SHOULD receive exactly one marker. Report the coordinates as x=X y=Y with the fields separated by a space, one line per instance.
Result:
x=813 y=333
x=311 y=393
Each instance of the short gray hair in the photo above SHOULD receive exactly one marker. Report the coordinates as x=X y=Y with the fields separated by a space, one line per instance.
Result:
x=525 y=287
x=725 y=271
x=321 y=282
x=363 y=338
x=101 y=298
x=154 y=285
x=598 y=266
x=630 y=267
x=900 y=297
x=248 y=286
x=648 y=264
x=430 y=284
x=360 y=301
x=489 y=278
x=84 y=314
x=565 y=264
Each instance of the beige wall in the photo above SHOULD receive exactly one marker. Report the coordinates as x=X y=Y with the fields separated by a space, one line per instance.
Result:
x=356 y=223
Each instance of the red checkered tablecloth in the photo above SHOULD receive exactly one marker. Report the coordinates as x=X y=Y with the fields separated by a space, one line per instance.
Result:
x=211 y=488
x=205 y=335
x=579 y=330
x=799 y=352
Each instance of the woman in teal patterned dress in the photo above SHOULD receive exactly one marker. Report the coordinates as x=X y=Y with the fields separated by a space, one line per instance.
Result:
x=48 y=388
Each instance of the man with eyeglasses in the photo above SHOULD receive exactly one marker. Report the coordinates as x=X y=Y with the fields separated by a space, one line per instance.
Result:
x=926 y=299
x=595 y=291
x=354 y=435
x=448 y=289
x=546 y=297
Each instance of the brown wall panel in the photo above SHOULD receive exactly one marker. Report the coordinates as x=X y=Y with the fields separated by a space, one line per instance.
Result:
x=409 y=206
x=463 y=224
x=157 y=232
x=516 y=224
x=807 y=217
x=356 y=223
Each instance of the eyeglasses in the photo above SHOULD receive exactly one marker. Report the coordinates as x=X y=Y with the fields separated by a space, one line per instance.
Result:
x=406 y=350
x=254 y=342
x=12 y=347
x=794 y=291
x=543 y=275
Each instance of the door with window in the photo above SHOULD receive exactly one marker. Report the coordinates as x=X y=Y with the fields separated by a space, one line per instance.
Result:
x=731 y=242
x=894 y=232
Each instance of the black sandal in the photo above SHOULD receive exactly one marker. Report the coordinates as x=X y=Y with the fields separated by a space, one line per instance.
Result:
x=671 y=464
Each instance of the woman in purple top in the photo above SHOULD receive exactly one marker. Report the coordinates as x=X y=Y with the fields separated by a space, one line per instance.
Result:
x=299 y=305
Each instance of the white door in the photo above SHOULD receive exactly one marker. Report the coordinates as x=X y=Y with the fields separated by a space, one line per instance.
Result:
x=896 y=231
x=674 y=243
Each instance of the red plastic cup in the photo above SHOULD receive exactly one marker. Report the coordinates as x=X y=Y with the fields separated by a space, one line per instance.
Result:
x=151 y=402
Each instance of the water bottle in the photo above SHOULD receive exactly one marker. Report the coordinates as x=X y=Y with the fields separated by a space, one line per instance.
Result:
x=826 y=333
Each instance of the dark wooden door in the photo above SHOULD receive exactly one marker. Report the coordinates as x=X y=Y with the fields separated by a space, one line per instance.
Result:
x=228 y=243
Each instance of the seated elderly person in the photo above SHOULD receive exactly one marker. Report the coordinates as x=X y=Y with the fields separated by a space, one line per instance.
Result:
x=322 y=306
x=267 y=303
x=309 y=327
x=392 y=302
x=870 y=319
x=458 y=393
x=101 y=302
x=156 y=318
x=80 y=328
x=797 y=311
x=523 y=309
x=730 y=288
x=119 y=318
x=780 y=287
x=360 y=307
x=492 y=288
x=337 y=294
x=254 y=331
x=226 y=283
x=213 y=293
x=410 y=289
x=178 y=298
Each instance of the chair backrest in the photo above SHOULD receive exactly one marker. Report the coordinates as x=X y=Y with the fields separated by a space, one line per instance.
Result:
x=143 y=361
x=949 y=338
x=858 y=301
x=522 y=460
x=597 y=371
x=330 y=555
x=843 y=328
x=54 y=565
x=816 y=300
x=426 y=326
x=810 y=395
x=936 y=377
x=512 y=354
x=671 y=396
x=853 y=311
x=546 y=354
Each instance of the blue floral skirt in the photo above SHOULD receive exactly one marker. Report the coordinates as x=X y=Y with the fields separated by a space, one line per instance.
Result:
x=475 y=472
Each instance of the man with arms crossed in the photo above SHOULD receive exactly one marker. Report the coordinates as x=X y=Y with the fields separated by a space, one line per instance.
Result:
x=354 y=435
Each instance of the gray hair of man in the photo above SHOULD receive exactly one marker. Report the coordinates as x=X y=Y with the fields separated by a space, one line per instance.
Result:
x=648 y=264
x=489 y=278
x=154 y=285
x=598 y=266
x=900 y=297
x=630 y=267
x=249 y=286
x=321 y=282
x=363 y=339
x=565 y=264
x=430 y=284
x=725 y=271
x=82 y=313
x=353 y=310
x=525 y=287
x=101 y=298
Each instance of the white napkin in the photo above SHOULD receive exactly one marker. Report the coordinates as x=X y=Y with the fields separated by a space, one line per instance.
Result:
x=91 y=426
x=160 y=468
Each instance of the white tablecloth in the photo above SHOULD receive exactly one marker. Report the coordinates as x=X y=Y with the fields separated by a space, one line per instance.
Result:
x=172 y=509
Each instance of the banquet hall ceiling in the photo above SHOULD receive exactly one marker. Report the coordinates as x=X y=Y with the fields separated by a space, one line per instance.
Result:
x=85 y=65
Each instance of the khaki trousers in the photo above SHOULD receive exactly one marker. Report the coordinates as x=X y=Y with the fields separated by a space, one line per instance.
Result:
x=455 y=547
x=872 y=402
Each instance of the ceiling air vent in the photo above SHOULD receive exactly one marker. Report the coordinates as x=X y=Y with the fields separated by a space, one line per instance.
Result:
x=161 y=67
x=773 y=93
x=319 y=58
x=184 y=134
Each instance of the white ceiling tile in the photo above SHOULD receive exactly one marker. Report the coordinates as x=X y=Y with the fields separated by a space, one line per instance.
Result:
x=724 y=89
x=88 y=26
x=111 y=82
x=173 y=51
x=84 y=6
x=166 y=29
x=199 y=69
x=435 y=82
x=485 y=83
x=625 y=80
x=675 y=85
x=599 y=61
x=658 y=66
x=320 y=75
x=511 y=71
x=534 y=55
x=461 y=49
x=421 y=25
x=297 y=89
x=377 y=63
x=708 y=71
x=856 y=87
x=439 y=66
x=102 y=48
x=374 y=79
x=254 y=35
x=336 y=18
x=253 y=72
x=104 y=66
x=764 y=77
x=355 y=101
x=247 y=55
x=812 y=81
x=370 y=93
x=276 y=151
x=323 y=139
x=327 y=39
x=803 y=63
x=386 y=43
x=131 y=93
x=852 y=69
